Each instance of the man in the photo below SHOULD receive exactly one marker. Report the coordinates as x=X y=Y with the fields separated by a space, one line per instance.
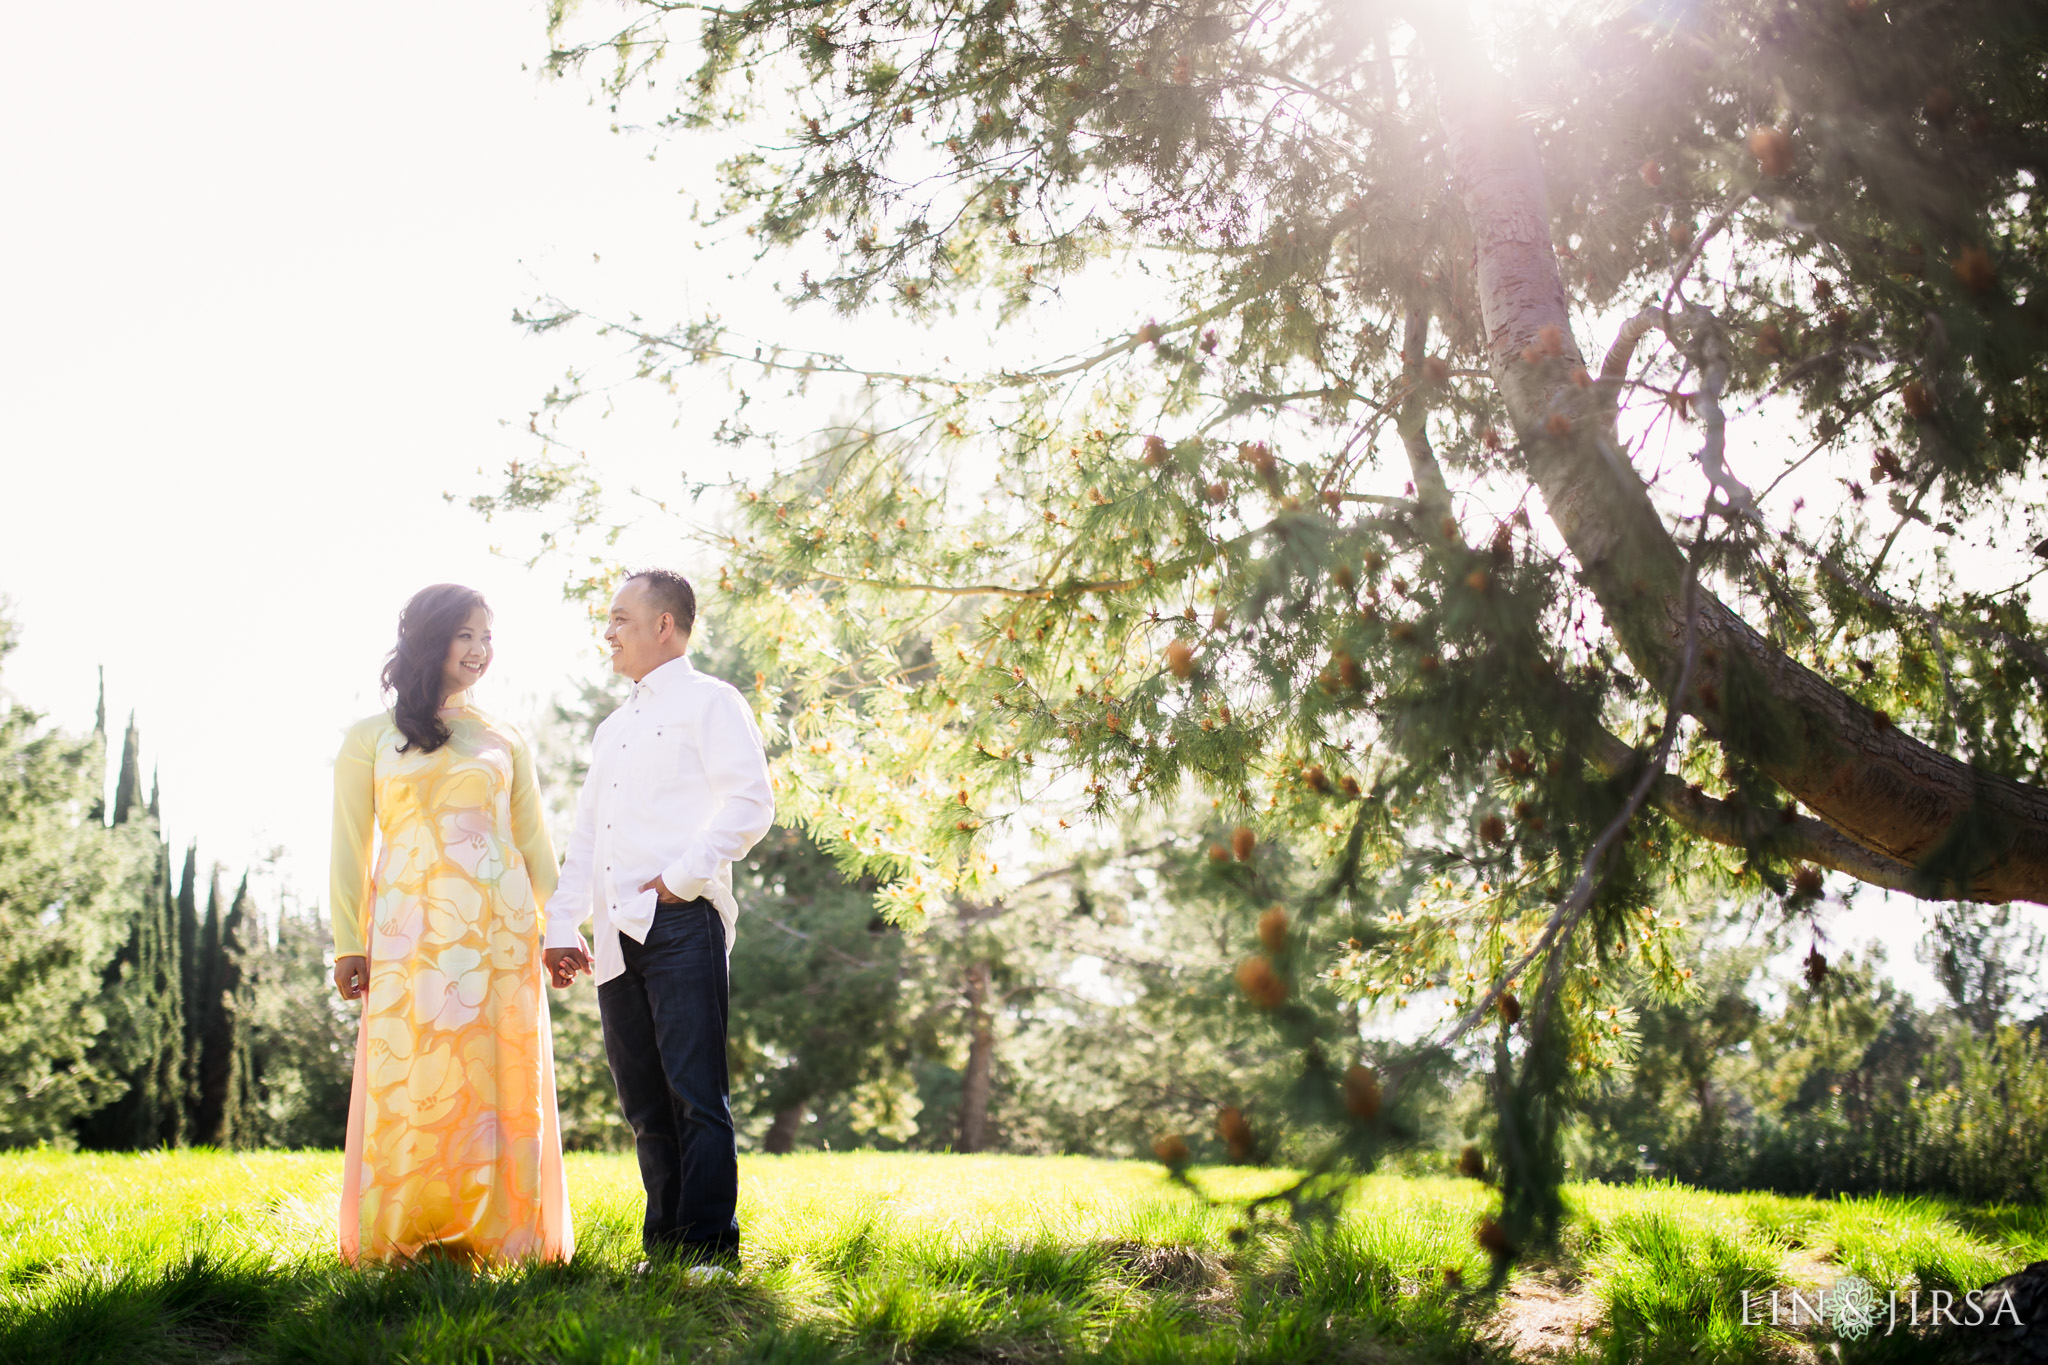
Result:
x=677 y=792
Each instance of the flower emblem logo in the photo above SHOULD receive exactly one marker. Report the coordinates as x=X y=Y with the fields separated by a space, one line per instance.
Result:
x=1852 y=1307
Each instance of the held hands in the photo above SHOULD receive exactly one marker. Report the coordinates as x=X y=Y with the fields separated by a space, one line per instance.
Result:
x=352 y=976
x=563 y=964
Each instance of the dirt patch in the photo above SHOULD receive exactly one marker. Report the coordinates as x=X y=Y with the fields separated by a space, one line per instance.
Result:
x=1185 y=1269
x=1542 y=1316
x=1805 y=1270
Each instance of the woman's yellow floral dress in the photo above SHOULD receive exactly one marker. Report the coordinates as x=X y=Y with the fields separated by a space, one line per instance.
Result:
x=453 y=1140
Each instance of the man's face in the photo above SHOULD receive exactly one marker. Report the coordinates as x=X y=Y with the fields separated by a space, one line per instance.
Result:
x=641 y=636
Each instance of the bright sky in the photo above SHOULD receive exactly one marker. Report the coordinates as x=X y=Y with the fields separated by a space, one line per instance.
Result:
x=262 y=262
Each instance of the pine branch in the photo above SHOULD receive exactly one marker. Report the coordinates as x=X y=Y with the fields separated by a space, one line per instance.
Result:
x=1037 y=593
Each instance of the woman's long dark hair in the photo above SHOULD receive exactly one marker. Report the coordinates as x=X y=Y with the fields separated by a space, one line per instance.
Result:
x=415 y=669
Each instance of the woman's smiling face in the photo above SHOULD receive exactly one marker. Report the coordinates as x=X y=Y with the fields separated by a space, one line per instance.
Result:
x=469 y=653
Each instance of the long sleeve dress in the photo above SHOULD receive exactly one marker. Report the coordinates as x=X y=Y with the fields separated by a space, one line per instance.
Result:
x=453 y=1140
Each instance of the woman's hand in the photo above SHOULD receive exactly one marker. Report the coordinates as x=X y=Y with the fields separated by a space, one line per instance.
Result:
x=352 y=976
x=563 y=964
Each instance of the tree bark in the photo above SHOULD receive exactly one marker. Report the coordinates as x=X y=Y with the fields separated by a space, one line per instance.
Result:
x=781 y=1138
x=1726 y=823
x=977 y=1082
x=1882 y=789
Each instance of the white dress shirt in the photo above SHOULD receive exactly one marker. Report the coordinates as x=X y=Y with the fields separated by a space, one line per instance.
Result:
x=678 y=787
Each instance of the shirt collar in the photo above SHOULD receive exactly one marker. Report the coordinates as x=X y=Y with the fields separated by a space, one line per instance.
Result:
x=667 y=675
x=464 y=698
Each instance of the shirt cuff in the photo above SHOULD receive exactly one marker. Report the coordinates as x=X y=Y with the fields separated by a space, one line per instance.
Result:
x=564 y=930
x=684 y=877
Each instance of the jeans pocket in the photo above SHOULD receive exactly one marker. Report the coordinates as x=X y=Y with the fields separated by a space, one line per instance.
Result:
x=681 y=929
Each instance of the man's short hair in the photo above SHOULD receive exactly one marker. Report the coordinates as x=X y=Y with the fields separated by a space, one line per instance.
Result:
x=672 y=593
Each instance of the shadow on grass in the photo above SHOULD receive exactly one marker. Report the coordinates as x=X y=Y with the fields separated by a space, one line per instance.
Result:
x=872 y=1297
x=1374 y=1295
x=201 y=1308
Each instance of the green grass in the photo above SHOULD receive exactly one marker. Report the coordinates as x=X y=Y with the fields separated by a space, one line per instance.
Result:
x=863 y=1257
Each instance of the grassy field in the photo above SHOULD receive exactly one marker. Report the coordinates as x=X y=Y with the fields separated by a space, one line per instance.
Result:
x=862 y=1257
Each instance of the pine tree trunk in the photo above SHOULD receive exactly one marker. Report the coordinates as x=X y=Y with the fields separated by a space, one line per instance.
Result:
x=1886 y=791
x=979 y=1079
x=781 y=1138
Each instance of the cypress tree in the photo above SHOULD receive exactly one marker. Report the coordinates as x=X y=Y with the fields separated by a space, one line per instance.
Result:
x=99 y=731
x=238 y=1127
x=159 y=1083
x=155 y=1098
x=167 y=1071
x=209 y=1064
x=223 y=1102
x=143 y=1043
x=188 y=979
x=128 y=785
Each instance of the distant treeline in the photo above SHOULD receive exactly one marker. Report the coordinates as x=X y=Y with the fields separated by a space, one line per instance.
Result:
x=142 y=1002
x=1842 y=1084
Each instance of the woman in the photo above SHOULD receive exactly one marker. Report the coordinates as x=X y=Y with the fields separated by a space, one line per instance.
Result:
x=453 y=1142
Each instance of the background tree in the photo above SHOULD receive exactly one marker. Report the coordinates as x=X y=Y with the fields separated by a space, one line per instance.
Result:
x=125 y=1023
x=1686 y=1108
x=1990 y=962
x=65 y=882
x=1176 y=558
x=817 y=978
x=192 y=988
x=143 y=1044
x=818 y=995
x=224 y=1113
x=301 y=1039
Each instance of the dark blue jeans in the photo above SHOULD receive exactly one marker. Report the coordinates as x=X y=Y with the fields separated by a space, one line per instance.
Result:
x=664 y=1034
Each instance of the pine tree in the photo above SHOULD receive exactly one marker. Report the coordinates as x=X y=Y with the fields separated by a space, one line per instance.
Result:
x=1595 y=659
x=818 y=990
